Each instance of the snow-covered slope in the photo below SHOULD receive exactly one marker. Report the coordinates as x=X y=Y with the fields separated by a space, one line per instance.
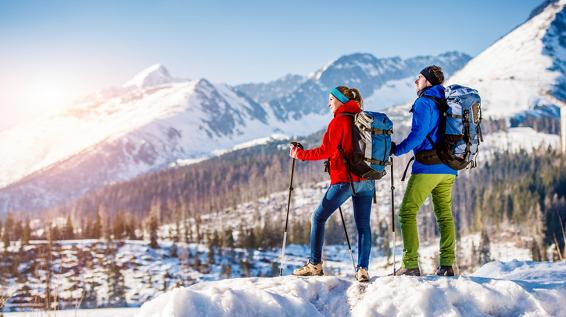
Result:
x=523 y=69
x=515 y=139
x=151 y=122
x=502 y=289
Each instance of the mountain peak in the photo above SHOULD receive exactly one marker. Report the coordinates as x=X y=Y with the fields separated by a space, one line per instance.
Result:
x=541 y=8
x=152 y=76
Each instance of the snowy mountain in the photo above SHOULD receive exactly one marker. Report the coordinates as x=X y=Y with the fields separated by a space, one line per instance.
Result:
x=152 y=121
x=155 y=120
x=264 y=92
x=524 y=69
x=365 y=72
x=498 y=288
x=152 y=76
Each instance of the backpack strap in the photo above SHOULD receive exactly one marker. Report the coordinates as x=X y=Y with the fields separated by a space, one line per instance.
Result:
x=431 y=156
x=377 y=162
x=341 y=150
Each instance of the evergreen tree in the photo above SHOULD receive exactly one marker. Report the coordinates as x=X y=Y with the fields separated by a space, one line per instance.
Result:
x=131 y=229
x=18 y=230
x=484 y=252
x=116 y=285
x=153 y=226
x=174 y=250
x=97 y=228
x=8 y=227
x=69 y=232
x=26 y=234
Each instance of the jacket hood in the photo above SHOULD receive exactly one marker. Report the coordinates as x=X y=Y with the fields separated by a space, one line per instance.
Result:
x=436 y=91
x=350 y=106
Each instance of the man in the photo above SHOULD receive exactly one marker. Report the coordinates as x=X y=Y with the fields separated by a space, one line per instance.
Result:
x=427 y=177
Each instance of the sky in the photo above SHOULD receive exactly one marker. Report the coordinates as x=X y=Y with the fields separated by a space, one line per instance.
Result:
x=52 y=52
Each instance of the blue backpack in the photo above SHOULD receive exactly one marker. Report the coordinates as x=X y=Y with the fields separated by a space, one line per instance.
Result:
x=372 y=144
x=459 y=129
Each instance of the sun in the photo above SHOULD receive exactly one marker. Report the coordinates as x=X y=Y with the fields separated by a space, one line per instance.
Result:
x=51 y=94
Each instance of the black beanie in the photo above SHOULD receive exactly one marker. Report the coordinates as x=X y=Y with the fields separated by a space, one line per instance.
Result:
x=430 y=76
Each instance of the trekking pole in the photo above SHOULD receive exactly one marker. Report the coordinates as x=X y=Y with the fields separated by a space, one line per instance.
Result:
x=288 y=208
x=393 y=214
x=347 y=239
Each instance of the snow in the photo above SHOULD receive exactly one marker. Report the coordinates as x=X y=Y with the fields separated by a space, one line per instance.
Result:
x=515 y=139
x=252 y=143
x=514 y=73
x=498 y=288
x=102 y=312
x=152 y=76
x=394 y=92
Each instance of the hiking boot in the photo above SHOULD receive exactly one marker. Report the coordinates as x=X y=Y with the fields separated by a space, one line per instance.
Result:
x=408 y=272
x=309 y=269
x=445 y=270
x=362 y=275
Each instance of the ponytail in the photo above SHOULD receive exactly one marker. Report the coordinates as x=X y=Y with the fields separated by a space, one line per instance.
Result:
x=357 y=96
x=352 y=94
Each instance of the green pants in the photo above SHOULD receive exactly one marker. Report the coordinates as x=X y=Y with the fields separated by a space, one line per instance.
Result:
x=418 y=189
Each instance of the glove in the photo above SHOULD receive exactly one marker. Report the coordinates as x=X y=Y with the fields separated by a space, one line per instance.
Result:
x=294 y=151
x=393 y=147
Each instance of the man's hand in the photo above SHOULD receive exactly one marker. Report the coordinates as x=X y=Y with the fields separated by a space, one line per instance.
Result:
x=393 y=147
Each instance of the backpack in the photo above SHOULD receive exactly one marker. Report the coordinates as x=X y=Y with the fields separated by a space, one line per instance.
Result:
x=459 y=129
x=371 y=133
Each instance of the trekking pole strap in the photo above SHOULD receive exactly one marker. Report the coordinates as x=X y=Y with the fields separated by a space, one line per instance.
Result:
x=407 y=168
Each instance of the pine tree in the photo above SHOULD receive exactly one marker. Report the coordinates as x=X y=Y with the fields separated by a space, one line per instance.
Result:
x=8 y=227
x=174 y=250
x=69 y=233
x=188 y=232
x=116 y=285
x=26 y=234
x=484 y=252
x=153 y=226
x=97 y=228
x=119 y=226
x=131 y=229
x=18 y=230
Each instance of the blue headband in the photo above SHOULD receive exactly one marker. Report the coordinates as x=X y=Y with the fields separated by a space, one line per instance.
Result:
x=340 y=96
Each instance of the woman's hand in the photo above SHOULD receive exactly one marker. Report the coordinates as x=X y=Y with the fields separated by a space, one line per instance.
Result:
x=293 y=152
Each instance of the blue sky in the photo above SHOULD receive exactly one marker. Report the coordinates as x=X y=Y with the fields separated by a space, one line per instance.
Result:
x=86 y=45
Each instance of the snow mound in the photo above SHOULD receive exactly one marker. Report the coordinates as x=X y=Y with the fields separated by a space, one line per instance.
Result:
x=498 y=288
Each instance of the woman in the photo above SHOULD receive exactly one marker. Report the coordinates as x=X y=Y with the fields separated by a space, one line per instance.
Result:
x=341 y=101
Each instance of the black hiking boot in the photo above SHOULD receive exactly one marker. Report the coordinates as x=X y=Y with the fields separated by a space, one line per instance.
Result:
x=408 y=272
x=445 y=270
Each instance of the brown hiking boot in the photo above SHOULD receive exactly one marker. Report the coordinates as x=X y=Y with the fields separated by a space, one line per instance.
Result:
x=445 y=270
x=408 y=272
x=309 y=269
x=362 y=275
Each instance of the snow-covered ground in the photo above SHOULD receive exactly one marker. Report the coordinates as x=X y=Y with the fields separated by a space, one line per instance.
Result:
x=515 y=139
x=499 y=288
x=102 y=312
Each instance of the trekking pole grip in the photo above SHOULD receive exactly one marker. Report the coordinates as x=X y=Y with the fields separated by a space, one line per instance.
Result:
x=297 y=144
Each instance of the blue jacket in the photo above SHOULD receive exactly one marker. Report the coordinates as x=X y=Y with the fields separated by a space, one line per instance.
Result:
x=426 y=117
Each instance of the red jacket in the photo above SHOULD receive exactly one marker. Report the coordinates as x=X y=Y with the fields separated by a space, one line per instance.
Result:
x=339 y=131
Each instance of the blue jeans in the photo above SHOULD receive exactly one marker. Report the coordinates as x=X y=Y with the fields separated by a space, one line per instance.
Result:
x=335 y=196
